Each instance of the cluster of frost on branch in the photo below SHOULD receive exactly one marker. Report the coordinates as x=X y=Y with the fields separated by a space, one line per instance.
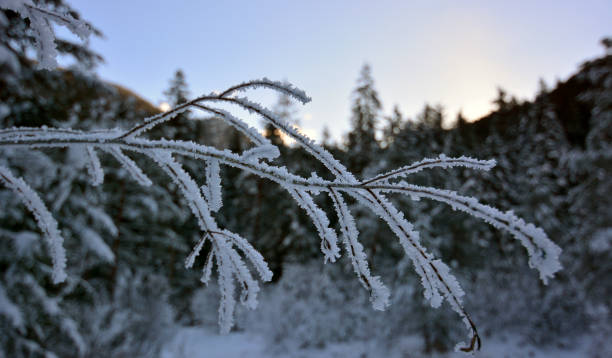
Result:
x=230 y=252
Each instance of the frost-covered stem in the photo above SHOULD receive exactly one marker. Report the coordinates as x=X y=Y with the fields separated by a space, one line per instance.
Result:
x=441 y=162
x=195 y=252
x=207 y=270
x=155 y=120
x=129 y=165
x=285 y=88
x=94 y=168
x=254 y=256
x=379 y=294
x=329 y=245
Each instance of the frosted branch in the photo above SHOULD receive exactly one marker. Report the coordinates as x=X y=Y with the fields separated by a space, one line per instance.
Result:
x=212 y=189
x=94 y=168
x=441 y=162
x=379 y=293
x=129 y=165
x=329 y=245
x=438 y=282
x=282 y=87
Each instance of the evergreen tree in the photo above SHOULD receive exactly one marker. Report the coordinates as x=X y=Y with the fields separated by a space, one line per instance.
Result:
x=178 y=91
x=326 y=137
x=365 y=115
x=393 y=126
x=431 y=117
x=501 y=101
x=182 y=126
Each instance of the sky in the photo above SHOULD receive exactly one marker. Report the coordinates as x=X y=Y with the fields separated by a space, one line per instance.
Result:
x=456 y=53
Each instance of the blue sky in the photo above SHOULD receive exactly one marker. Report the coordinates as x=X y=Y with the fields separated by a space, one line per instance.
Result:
x=453 y=53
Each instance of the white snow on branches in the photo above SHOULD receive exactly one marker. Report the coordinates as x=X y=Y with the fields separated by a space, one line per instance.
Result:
x=44 y=219
x=94 y=168
x=10 y=310
x=41 y=24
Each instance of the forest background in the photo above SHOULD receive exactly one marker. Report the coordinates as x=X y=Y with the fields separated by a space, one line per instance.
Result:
x=129 y=289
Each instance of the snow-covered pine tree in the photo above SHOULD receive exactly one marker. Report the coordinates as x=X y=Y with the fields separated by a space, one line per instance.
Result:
x=230 y=251
x=29 y=24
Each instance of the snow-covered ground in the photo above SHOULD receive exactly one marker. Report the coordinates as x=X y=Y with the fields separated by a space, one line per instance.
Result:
x=196 y=342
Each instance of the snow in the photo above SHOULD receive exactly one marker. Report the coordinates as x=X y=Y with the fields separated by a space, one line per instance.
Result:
x=98 y=215
x=601 y=241
x=8 y=58
x=25 y=243
x=44 y=219
x=199 y=342
x=10 y=310
x=95 y=243
x=196 y=342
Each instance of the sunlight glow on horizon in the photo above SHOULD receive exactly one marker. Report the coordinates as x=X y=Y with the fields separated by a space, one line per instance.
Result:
x=164 y=107
x=289 y=141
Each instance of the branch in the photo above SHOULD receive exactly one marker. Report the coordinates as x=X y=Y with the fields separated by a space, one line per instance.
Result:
x=438 y=283
x=441 y=162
